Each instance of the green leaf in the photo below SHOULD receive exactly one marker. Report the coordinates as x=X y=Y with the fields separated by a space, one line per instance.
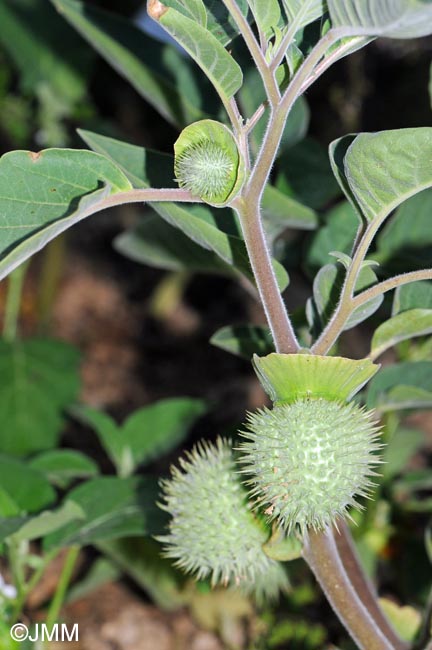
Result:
x=409 y=324
x=113 y=507
x=394 y=19
x=63 y=466
x=400 y=449
x=287 y=377
x=201 y=224
x=39 y=378
x=304 y=12
x=337 y=234
x=157 y=71
x=412 y=296
x=281 y=212
x=406 y=621
x=282 y=547
x=327 y=287
x=155 y=243
x=147 y=434
x=44 y=48
x=40 y=197
x=10 y=525
x=49 y=521
x=405 y=242
x=406 y=397
x=206 y=50
x=267 y=15
x=244 y=340
x=27 y=487
x=305 y=172
x=384 y=169
x=410 y=374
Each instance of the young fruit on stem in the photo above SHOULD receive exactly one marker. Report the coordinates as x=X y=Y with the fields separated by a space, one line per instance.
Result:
x=309 y=459
x=208 y=163
x=212 y=531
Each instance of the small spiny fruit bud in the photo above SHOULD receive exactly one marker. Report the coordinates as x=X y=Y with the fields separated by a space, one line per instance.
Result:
x=213 y=532
x=309 y=459
x=207 y=162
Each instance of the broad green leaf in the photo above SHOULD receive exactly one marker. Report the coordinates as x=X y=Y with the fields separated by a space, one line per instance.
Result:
x=267 y=15
x=405 y=242
x=63 y=466
x=384 y=169
x=43 y=194
x=44 y=48
x=141 y=560
x=113 y=507
x=211 y=14
x=304 y=171
x=327 y=287
x=27 y=487
x=281 y=212
x=201 y=224
x=403 y=397
x=155 y=243
x=156 y=70
x=414 y=374
x=337 y=234
x=287 y=377
x=304 y=12
x=399 y=450
x=409 y=324
x=49 y=521
x=391 y=18
x=145 y=435
x=10 y=525
x=39 y=378
x=244 y=340
x=206 y=50
x=416 y=295
x=406 y=620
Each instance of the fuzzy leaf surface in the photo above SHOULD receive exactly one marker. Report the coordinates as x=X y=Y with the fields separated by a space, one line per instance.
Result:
x=409 y=324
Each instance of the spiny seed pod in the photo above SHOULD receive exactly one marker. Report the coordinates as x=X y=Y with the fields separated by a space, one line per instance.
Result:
x=213 y=532
x=207 y=162
x=309 y=459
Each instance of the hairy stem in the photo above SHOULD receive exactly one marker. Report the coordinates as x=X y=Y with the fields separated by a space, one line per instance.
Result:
x=321 y=553
x=257 y=54
x=259 y=256
x=391 y=283
x=362 y=585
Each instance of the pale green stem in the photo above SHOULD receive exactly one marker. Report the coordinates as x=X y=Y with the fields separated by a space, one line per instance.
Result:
x=62 y=587
x=13 y=303
x=28 y=588
x=253 y=46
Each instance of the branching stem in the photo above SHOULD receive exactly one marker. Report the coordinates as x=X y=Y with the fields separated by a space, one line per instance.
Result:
x=391 y=283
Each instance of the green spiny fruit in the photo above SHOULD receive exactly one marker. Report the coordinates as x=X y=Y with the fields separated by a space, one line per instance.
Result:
x=207 y=162
x=309 y=460
x=213 y=532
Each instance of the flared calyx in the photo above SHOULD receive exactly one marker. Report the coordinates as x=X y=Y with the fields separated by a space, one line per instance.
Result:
x=207 y=162
x=212 y=532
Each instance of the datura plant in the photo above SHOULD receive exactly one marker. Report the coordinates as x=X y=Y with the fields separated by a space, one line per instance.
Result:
x=301 y=465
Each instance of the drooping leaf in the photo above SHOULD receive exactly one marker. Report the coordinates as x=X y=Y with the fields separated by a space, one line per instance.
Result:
x=244 y=340
x=409 y=324
x=26 y=486
x=43 y=194
x=39 y=378
x=200 y=223
x=49 y=521
x=384 y=169
x=416 y=295
x=145 y=435
x=281 y=212
x=113 y=507
x=206 y=50
x=392 y=18
x=156 y=70
x=63 y=466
